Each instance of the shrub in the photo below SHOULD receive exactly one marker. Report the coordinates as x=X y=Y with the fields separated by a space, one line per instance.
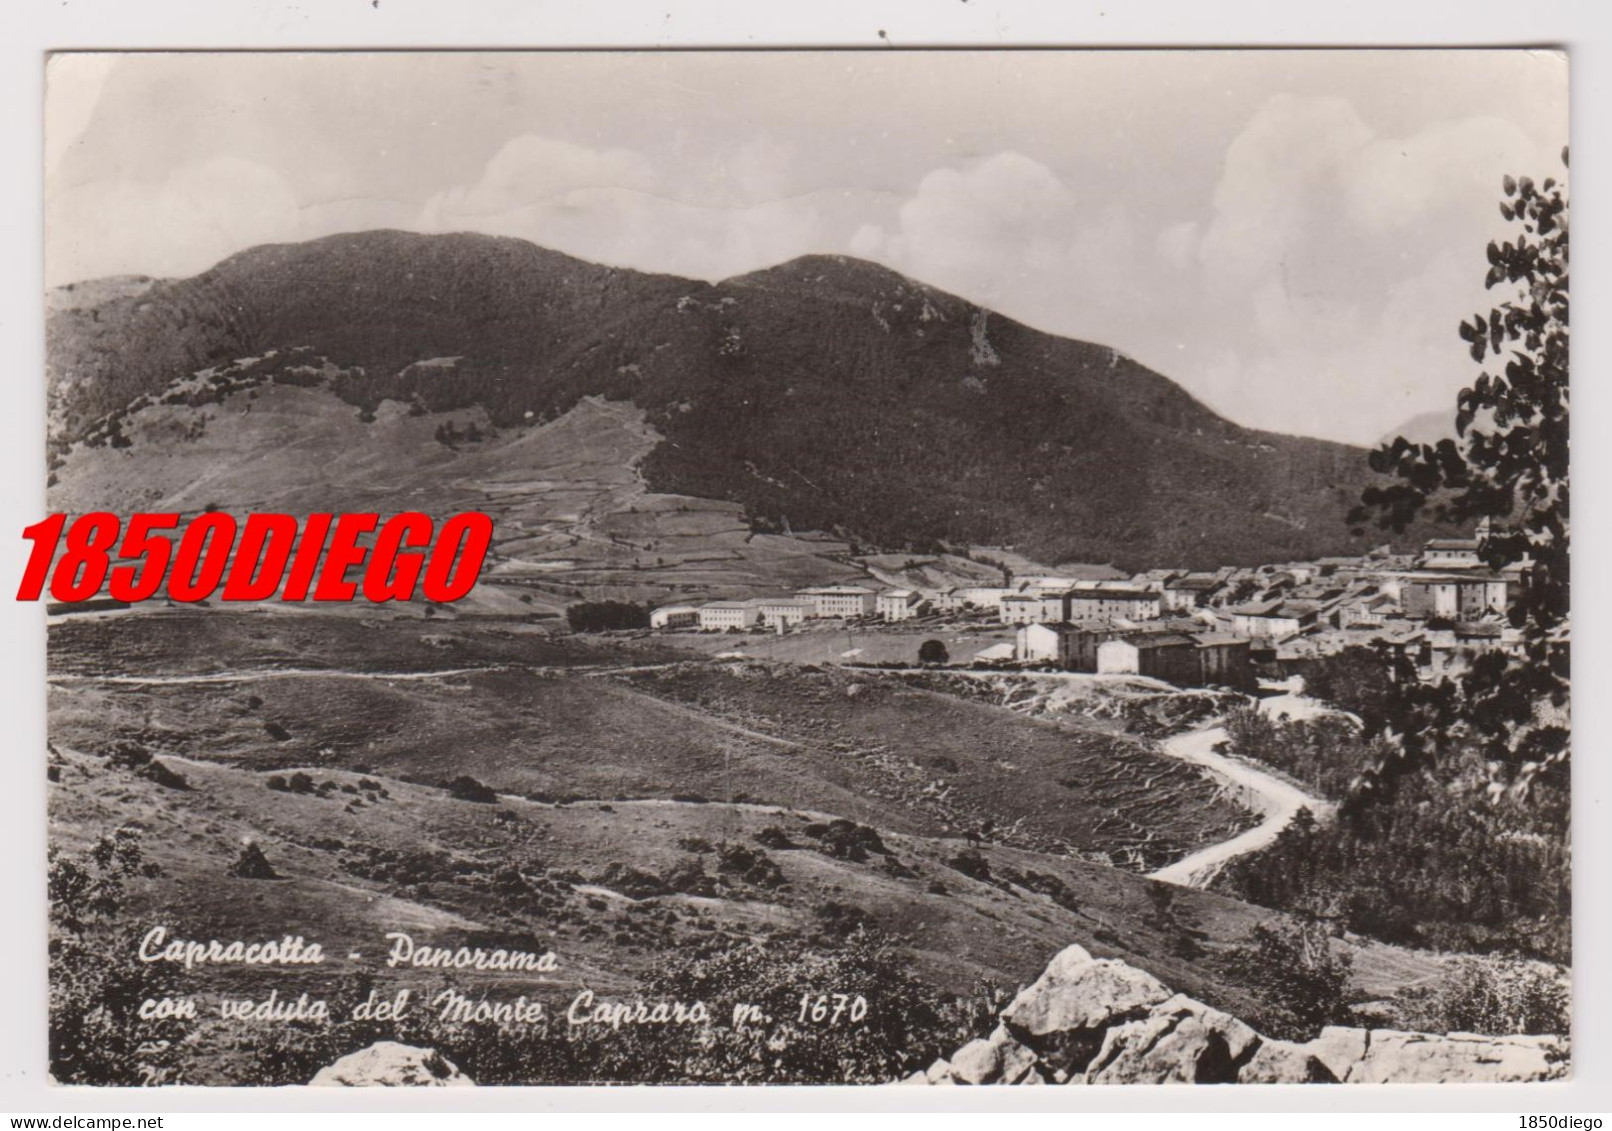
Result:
x=690 y=878
x=840 y=920
x=1488 y=995
x=846 y=840
x=1300 y=978
x=750 y=865
x=775 y=838
x=606 y=616
x=251 y=864
x=933 y=652
x=1168 y=918
x=466 y=788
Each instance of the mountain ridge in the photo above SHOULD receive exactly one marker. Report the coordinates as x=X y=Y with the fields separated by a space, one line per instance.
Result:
x=822 y=393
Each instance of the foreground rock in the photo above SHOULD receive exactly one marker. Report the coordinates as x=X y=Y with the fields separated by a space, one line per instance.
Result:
x=1180 y=1041
x=1101 y=1021
x=999 y=1059
x=1283 y=1062
x=1388 y=1056
x=1065 y=1015
x=389 y=1064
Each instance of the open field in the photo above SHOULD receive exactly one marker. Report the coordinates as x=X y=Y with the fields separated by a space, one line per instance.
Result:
x=873 y=750
x=818 y=645
x=642 y=802
x=186 y=641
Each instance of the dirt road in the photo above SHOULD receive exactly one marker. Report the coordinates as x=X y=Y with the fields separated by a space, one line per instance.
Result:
x=1276 y=799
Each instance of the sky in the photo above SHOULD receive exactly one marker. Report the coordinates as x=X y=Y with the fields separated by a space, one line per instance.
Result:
x=1292 y=236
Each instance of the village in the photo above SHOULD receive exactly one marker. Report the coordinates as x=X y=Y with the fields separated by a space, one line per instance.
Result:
x=1438 y=609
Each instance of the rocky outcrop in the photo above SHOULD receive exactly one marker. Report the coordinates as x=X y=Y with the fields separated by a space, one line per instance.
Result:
x=1100 y=1021
x=1079 y=993
x=1283 y=1062
x=1066 y=1013
x=389 y=1064
x=998 y=1059
x=1393 y=1057
x=1180 y=1041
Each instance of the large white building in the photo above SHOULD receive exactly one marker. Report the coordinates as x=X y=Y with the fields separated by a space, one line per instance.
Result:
x=1185 y=659
x=783 y=612
x=1272 y=620
x=718 y=616
x=675 y=616
x=840 y=600
x=1103 y=601
x=1055 y=643
x=983 y=596
x=897 y=604
x=1021 y=608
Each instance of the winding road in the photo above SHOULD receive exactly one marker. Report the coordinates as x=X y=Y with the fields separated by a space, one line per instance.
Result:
x=1265 y=793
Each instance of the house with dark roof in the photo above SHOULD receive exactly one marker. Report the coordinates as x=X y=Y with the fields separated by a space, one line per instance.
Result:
x=1272 y=620
x=1170 y=656
x=1104 y=601
x=1193 y=591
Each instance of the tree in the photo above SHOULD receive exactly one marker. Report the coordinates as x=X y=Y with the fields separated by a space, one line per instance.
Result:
x=1508 y=464
x=606 y=616
x=933 y=652
x=1302 y=980
x=97 y=1035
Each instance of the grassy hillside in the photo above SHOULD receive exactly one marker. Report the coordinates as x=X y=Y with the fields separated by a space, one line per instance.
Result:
x=564 y=724
x=824 y=394
x=671 y=805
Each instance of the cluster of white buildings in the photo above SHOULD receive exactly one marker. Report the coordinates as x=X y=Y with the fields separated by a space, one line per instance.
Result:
x=828 y=602
x=1203 y=627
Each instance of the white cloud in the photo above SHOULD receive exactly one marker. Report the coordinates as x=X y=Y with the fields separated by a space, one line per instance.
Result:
x=196 y=216
x=1279 y=182
x=1337 y=263
x=1446 y=172
x=1177 y=245
x=988 y=230
x=720 y=219
x=532 y=175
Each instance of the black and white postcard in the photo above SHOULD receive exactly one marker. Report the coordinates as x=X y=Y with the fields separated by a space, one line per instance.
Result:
x=928 y=568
